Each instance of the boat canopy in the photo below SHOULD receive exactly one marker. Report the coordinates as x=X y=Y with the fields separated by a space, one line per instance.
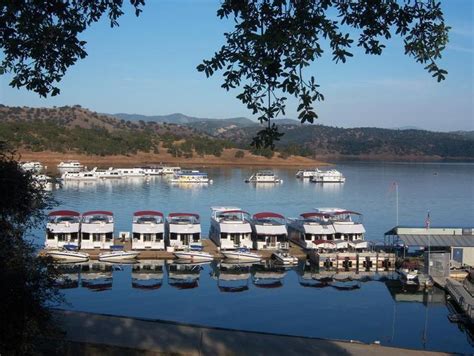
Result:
x=98 y=212
x=232 y=212
x=64 y=213
x=346 y=212
x=147 y=213
x=264 y=215
x=315 y=214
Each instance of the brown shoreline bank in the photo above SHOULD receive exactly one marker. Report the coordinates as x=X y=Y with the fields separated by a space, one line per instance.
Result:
x=51 y=159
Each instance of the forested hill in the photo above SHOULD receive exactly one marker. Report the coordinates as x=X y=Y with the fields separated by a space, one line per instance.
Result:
x=73 y=128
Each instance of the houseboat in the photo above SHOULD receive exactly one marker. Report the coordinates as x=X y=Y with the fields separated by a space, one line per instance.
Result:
x=311 y=228
x=148 y=274
x=79 y=176
x=269 y=231
x=187 y=177
x=35 y=167
x=230 y=228
x=131 y=172
x=153 y=170
x=97 y=229
x=170 y=170
x=70 y=166
x=44 y=182
x=329 y=176
x=263 y=177
x=182 y=230
x=110 y=173
x=62 y=229
x=148 y=230
x=307 y=173
x=347 y=226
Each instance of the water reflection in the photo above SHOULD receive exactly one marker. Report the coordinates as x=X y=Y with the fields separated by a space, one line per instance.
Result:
x=231 y=276
x=148 y=274
x=184 y=275
x=268 y=275
x=96 y=276
x=68 y=275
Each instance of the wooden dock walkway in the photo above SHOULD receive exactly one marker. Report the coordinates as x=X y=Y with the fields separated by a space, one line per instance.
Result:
x=461 y=297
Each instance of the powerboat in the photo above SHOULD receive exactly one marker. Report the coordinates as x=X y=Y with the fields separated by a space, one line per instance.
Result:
x=117 y=254
x=263 y=177
x=35 y=167
x=269 y=231
x=284 y=257
x=97 y=229
x=68 y=253
x=329 y=176
x=186 y=177
x=194 y=253
x=70 y=166
x=230 y=228
x=62 y=229
x=241 y=254
x=148 y=230
x=182 y=230
x=43 y=182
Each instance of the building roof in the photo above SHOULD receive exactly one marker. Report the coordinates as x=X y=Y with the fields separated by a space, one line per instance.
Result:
x=438 y=240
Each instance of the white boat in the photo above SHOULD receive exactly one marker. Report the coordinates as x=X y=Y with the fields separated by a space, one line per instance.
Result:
x=284 y=257
x=110 y=173
x=241 y=254
x=97 y=229
x=190 y=177
x=152 y=170
x=70 y=166
x=68 y=254
x=32 y=166
x=307 y=173
x=182 y=230
x=170 y=170
x=269 y=231
x=62 y=229
x=117 y=254
x=347 y=226
x=148 y=230
x=329 y=176
x=194 y=253
x=263 y=177
x=309 y=228
x=409 y=274
x=230 y=228
x=44 y=182
x=131 y=172
x=81 y=176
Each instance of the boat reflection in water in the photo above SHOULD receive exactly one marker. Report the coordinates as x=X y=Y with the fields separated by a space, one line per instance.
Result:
x=184 y=275
x=68 y=275
x=231 y=276
x=148 y=274
x=97 y=276
x=268 y=275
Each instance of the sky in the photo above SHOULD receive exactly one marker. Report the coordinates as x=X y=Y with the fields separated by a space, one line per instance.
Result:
x=148 y=66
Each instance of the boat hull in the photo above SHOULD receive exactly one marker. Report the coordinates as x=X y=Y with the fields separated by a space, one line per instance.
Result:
x=192 y=256
x=233 y=255
x=68 y=257
x=111 y=257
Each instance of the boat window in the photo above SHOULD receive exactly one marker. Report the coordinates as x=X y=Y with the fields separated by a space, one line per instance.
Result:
x=223 y=236
x=173 y=236
x=74 y=235
x=159 y=237
x=50 y=236
x=196 y=236
x=136 y=235
x=147 y=237
x=281 y=238
x=308 y=237
x=261 y=238
x=95 y=237
x=85 y=236
x=62 y=237
x=109 y=236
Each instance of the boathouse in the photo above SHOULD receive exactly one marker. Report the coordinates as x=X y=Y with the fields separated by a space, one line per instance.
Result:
x=447 y=245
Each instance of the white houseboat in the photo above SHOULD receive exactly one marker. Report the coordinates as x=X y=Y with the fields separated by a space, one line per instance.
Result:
x=269 y=231
x=329 y=176
x=148 y=230
x=35 y=167
x=263 y=177
x=131 y=172
x=307 y=173
x=186 y=177
x=153 y=170
x=97 y=229
x=110 y=173
x=182 y=230
x=347 y=225
x=79 y=176
x=70 y=166
x=311 y=228
x=230 y=228
x=62 y=229
x=170 y=170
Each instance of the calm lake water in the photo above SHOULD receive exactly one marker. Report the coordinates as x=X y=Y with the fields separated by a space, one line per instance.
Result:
x=369 y=309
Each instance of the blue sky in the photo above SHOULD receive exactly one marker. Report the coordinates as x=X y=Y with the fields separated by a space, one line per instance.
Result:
x=147 y=66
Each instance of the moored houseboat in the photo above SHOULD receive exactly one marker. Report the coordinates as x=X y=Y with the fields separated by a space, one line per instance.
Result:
x=170 y=170
x=110 y=173
x=62 y=228
x=148 y=230
x=269 y=231
x=310 y=229
x=132 y=172
x=70 y=166
x=97 y=229
x=307 y=173
x=263 y=177
x=329 y=176
x=230 y=228
x=31 y=166
x=190 y=177
x=182 y=230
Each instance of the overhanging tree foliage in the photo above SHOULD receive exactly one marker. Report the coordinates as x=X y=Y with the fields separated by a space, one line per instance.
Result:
x=273 y=41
